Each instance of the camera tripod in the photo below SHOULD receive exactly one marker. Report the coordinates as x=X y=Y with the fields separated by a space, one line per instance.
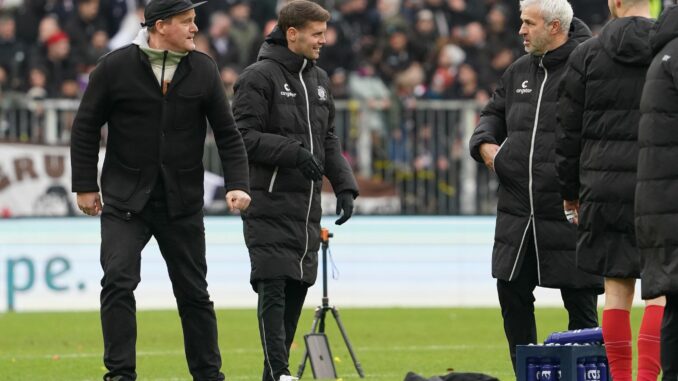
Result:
x=318 y=325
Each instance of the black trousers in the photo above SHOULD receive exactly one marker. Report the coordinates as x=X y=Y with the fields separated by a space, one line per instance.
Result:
x=182 y=244
x=517 y=304
x=280 y=304
x=669 y=339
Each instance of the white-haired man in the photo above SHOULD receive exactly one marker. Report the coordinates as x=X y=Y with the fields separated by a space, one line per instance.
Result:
x=534 y=243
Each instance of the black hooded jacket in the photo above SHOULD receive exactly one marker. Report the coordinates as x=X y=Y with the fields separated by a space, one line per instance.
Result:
x=596 y=143
x=521 y=118
x=657 y=185
x=282 y=102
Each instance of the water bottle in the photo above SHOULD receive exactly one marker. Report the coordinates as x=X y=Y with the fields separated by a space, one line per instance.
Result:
x=586 y=335
x=581 y=370
x=602 y=367
x=547 y=373
x=592 y=371
x=532 y=369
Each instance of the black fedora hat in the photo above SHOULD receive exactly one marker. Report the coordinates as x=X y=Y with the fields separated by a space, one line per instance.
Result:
x=162 y=9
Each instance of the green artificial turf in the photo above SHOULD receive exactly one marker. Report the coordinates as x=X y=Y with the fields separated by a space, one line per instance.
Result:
x=388 y=343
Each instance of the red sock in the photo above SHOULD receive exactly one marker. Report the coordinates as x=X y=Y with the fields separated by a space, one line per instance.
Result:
x=617 y=336
x=648 y=343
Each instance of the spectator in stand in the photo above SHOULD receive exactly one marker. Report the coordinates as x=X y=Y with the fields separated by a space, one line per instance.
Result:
x=28 y=17
x=499 y=34
x=396 y=55
x=222 y=45
x=336 y=53
x=59 y=64
x=375 y=98
x=82 y=26
x=129 y=26
x=463 y=12
x=440 y=16
x=229 y=75
x=37 y=83
x=244 y=31
x=390 y=16
x=444 y=76
x=467 y=86
x=12 y=54
x=357 y=24
x=427 y=37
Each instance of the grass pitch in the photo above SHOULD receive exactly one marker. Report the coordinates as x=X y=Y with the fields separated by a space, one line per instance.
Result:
x=388 y=343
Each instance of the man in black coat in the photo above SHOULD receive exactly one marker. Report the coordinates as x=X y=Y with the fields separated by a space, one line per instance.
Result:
x=596 y=156
x=155 y=96
x=656 y=207
x=534 y=244
x=285 y=113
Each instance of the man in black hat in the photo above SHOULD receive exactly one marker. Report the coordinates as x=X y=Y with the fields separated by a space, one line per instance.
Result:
x=155 y=95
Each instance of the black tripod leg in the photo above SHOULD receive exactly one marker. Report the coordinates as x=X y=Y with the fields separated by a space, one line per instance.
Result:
x=358 y=367
x=318 y=319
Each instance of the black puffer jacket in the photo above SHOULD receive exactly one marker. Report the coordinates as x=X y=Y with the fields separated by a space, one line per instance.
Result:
x=657 y=186
x=521 y=117
x=282 y=103
x=598 y=115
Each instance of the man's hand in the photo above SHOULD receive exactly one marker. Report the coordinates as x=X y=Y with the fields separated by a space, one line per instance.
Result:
x=237 y=199
x=488 y=151
x=89 y=203
x=571 y=211
x=345 y=204
x=308 y=165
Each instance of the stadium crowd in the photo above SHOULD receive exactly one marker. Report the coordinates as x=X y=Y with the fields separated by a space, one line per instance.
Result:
x=376 y=49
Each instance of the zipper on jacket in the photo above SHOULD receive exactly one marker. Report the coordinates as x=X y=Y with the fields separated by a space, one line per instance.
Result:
x=275 y=174
x=310 y=136
x=162 y=73
x=531 y=180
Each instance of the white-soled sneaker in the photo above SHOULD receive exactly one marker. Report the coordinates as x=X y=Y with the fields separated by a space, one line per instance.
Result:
x=285 y=377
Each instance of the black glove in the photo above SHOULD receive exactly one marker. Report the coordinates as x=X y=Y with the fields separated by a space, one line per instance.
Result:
x=308 y=165
x=345 y=203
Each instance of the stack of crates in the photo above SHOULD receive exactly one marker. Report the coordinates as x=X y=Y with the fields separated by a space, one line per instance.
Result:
x=566 y=356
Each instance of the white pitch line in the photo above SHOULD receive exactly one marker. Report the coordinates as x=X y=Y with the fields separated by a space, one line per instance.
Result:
x=258 y=350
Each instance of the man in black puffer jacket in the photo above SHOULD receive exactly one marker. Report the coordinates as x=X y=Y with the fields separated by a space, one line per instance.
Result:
x=596 y=156
x=534 y=244
x=656 y=189
x=285 y=112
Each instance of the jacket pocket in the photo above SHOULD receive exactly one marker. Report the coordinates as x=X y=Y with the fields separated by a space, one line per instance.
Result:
x=191 y=184
x=120 y=181
x=187 y=112
x=495 y=160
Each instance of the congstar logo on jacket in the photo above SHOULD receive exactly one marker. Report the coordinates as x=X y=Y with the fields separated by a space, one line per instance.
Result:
x=523 y=88
x=288 y=92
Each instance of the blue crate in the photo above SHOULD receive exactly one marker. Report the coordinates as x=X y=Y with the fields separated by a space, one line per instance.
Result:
x=567 y=354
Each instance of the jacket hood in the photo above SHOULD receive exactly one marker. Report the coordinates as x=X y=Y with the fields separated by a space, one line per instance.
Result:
x=665 y=30
x=579 y=32
x=275 y=48
x=627 y=40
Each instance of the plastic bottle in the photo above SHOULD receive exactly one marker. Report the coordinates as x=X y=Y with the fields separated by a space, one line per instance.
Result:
x=532 y=368
x=547 y=372
x=592 y=371
x=602 y=367
x=581 y=370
